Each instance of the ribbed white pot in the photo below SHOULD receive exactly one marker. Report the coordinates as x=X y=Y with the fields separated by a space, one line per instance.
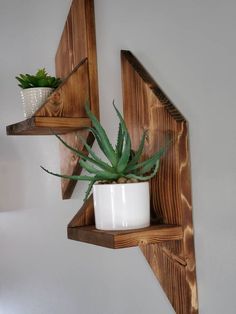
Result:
x=33 y=98
x=121 y=206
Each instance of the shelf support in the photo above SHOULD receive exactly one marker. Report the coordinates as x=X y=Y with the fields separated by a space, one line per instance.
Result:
x=147 y=107
x=78 y=42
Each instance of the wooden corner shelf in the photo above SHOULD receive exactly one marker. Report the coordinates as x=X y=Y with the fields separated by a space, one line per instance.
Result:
x=169 y=247
x=64 y=111
x=125 y=238
x=45 y=125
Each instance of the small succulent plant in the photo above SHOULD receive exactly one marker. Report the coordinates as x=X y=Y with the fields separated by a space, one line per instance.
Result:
x=40 y=79
x=123 y=164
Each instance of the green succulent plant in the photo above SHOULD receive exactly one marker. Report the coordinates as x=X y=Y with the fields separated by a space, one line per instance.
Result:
x=40 y=79
x=123 y=162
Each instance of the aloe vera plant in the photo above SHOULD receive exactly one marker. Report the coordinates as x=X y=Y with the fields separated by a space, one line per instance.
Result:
x=122 y=162
x=40 y=79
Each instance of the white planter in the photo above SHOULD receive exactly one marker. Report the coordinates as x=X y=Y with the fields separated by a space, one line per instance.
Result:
x=121 y=206
x=33 y=98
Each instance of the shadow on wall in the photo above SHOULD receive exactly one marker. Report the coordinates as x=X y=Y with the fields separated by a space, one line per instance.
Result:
x=12 y=178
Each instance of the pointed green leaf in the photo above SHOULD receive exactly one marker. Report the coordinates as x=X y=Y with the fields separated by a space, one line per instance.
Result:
x=109 y=151
x=90 y=186
x=120 y=140
x=145 y=178
x=103 y=165
x=73 y=177
x=126 y=149
x=79 y=153
x=138 y=153
x=153 y=159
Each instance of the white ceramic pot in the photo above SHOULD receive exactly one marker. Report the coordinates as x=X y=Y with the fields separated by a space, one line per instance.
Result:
x=121 y=206
x=33 y=98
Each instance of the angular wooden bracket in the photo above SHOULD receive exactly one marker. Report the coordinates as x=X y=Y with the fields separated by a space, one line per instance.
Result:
x=78 y=42
x=147 y=107
x=168 y=244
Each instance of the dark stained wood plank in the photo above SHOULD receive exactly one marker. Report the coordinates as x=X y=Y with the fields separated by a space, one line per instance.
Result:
x=165 y=265
x=78 y=41
x=45 y=125
x=147 y=107
x=69 y=99
x=127 y=238
x=70 y=162
x=85 y=215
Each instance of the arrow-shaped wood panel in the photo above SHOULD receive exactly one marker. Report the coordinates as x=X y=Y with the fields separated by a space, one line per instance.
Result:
x=147 y=107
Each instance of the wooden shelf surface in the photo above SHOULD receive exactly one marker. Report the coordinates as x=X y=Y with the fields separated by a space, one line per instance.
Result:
x=45 y=125
x=125 y=238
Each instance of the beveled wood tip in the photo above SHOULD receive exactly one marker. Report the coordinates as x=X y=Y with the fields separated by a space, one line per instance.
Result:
x=148 y=79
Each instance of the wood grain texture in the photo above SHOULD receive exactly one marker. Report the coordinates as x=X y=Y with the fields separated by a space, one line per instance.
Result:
x=75 y=60
x=85 y=215
x=69 y=98
x=77 y=42
x=44 y=126
x=65 y=103
x=147 y=107
x=124 y=239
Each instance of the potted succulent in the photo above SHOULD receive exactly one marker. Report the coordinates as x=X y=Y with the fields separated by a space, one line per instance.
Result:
x=36 y=89
x=120 y=186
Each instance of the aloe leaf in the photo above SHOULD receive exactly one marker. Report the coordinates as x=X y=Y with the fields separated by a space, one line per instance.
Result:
x=88 y=167
x=110 y=153
x=103 y=165
x=126 y=149
x=124 y=159
x=120 y=141
x=149 y=166
x=107 y=177
x=90 y=186
x=79 y=153
x=103 y=173
x=73 y=177
x=153 y=159
x=145 y=178
x=138 y=153
x=96 y=135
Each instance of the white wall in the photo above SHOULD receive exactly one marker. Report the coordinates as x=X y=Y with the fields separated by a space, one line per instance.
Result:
x=189 y=47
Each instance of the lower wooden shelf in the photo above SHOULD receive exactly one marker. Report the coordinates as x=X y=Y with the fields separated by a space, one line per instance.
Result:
x=125 y=238
x=43 y=125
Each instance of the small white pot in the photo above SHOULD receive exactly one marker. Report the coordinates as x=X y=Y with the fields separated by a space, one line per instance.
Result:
x=33 y=98
x=121 y=206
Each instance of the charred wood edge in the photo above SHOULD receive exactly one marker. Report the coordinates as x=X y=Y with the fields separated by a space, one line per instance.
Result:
x=147 y=78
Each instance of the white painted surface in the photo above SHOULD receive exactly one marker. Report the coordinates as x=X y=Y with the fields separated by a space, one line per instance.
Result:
x=121 y=206
x=189 y=48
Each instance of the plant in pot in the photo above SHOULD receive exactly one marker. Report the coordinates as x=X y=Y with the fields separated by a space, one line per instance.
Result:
x=120 y=184
x=35 y=89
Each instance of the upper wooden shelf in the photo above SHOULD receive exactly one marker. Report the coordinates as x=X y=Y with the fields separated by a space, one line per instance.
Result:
x=63 y=111
x=45 y=125
x=125 y=238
